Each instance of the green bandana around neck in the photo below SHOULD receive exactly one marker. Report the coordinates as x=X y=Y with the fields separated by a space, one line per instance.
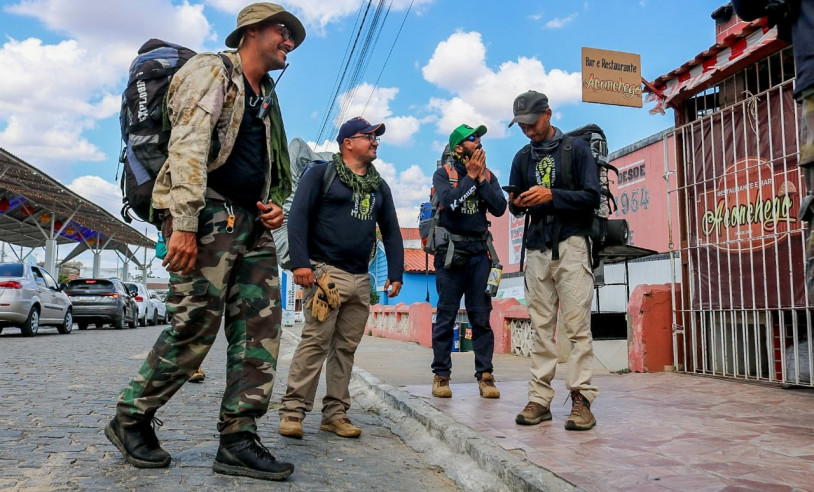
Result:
x=368 y=183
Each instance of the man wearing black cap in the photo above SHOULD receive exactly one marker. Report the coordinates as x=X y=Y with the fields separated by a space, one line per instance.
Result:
x=219 y=194
x=464 y=255
x=558 y=274
x=332 y=234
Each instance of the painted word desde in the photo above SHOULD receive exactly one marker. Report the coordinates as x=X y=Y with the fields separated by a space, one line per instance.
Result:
x=626 y=89
x=631 y=173
x=764 y=212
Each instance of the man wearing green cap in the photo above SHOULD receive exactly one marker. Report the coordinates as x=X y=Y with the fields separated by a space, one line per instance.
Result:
x=464 y=255
x=219 y=195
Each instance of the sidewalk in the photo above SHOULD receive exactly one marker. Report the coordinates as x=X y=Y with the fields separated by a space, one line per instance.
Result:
x=655 y=431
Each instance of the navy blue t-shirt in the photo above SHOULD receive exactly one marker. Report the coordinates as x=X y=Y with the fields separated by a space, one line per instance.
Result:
x=339 y=228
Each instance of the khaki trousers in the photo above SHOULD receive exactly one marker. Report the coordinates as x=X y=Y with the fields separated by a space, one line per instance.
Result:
x=566 y=284
x=332 y=342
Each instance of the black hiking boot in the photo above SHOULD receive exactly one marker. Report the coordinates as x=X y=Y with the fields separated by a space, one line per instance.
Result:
x=243 y=455
x=138 y=443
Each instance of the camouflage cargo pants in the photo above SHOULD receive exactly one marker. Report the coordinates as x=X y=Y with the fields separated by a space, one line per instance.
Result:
x=235 y=273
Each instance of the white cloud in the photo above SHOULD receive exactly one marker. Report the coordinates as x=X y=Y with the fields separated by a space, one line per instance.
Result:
x=559 y=23
x=101 y=192
x=374 y=105
x=469 y=79
x=54 y=93
x=409 y=187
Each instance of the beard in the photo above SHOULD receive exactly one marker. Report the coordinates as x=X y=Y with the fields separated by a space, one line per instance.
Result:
x=468 y=153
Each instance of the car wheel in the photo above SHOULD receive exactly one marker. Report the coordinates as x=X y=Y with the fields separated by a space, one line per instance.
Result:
x=134 y=322
x=82 y=326
x=119 y=323
x=32 y=323
x=154 y=321
x=67 y=324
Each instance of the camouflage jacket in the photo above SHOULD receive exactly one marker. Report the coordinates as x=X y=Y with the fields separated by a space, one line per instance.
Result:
x=201 y=99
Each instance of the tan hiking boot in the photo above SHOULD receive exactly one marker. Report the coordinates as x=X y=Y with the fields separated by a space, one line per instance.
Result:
x=533 y=413
x=486 y=385
x=440 y=387
x=198 y=376
x=581 y=417
x=342 y=428
x=291 y=427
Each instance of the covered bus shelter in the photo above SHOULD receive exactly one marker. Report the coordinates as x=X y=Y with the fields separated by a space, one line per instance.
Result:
x=38 y=211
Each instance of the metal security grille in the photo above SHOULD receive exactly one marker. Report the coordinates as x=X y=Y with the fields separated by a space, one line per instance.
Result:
x=743 y=311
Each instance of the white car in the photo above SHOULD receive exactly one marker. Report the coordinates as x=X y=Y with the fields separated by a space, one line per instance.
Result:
x=146 y=310
x=30 y=298
x=160 y=308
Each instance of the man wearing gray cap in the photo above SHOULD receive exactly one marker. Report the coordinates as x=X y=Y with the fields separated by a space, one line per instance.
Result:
x=219 y=195
x=558 y=274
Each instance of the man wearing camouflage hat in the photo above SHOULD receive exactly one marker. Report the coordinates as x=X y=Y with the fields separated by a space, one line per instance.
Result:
x=218 y=210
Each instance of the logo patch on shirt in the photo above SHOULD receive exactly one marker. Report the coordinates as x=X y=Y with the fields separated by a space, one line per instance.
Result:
x=363 y=206
x=544 y=171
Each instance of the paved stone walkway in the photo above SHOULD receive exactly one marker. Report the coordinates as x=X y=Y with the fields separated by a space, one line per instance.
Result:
x=57 y=392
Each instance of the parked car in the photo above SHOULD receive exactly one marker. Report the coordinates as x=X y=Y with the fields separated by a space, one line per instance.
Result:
x=146 y=309
x=102 y=300
x=160 y=308
x=30 y=298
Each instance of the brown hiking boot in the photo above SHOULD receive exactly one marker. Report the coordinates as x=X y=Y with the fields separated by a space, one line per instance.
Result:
x=198 y=376
x=533 y=413
x=486 y=385
x=291 y=427
x=342 y=428
x=440 y=387
x=581 y=417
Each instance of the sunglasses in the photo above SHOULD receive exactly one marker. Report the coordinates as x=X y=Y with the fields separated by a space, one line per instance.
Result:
x=285 y=32
x=471 y=138
x=370 y=136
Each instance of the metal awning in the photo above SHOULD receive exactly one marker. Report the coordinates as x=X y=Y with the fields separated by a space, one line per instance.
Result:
x=711 y=65
x=35 y=208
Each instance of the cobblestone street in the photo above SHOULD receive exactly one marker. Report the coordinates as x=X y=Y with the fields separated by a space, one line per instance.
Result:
x=59 y=391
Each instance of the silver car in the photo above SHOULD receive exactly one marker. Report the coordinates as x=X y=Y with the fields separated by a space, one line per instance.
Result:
x=30 y=298
x=147 y=314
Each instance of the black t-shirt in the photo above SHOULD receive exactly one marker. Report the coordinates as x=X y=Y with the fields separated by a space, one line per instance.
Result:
x=242 y=176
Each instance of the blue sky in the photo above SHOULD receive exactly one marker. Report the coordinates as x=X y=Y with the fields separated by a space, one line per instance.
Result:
x=65 y=64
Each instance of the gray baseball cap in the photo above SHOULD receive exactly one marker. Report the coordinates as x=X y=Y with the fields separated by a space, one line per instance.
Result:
x=528 y=107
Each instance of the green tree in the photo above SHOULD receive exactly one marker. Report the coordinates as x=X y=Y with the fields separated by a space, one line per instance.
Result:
x=374 y=296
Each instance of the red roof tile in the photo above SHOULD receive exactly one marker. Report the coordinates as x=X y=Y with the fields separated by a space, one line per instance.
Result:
x=408 y=233
x=415 y=260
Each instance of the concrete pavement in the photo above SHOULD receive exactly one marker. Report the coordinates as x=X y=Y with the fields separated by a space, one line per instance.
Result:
x=655 y=431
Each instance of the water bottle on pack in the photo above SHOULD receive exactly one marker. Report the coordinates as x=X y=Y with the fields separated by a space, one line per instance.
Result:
x=494 y=279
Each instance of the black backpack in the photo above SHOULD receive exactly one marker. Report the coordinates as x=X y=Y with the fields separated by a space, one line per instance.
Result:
x=604 y=232
x=145 y=124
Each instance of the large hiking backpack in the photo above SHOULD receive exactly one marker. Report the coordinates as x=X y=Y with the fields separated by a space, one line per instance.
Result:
x=303 y=158
x=145 y=125
x=604 y=231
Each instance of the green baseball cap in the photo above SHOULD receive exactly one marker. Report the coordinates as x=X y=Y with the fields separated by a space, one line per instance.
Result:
x=459 y=134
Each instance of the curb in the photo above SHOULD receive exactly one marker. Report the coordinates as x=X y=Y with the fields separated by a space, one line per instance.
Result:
x=512 y=472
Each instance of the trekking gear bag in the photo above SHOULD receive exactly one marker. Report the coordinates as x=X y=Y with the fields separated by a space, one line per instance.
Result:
x=303 y=158
x=604 y=231
x=145 y=124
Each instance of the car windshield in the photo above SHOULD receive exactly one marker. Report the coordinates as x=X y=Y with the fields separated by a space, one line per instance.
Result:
x=90 y=285
x=11 y=269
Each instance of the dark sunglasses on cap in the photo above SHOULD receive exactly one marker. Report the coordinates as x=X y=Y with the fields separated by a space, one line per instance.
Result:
x=471 y=138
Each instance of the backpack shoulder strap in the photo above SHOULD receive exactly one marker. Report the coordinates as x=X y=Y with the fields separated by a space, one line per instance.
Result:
x=227 y=63
x=452 y=174
x=566 y=162
x=328 y=177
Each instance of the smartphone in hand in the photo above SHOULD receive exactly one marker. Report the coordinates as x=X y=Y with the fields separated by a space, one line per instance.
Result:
x=512 y=189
